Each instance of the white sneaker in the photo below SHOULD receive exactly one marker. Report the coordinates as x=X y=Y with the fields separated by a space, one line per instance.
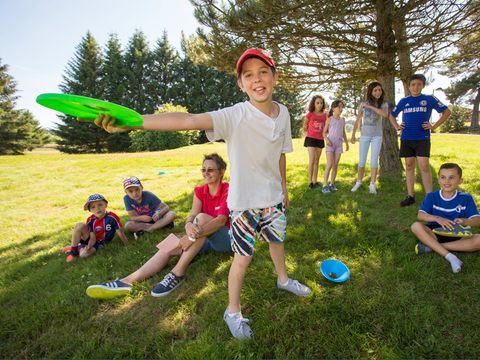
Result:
x=373 y=189
x=238 y=326
x=295 y=287
x=356 y=186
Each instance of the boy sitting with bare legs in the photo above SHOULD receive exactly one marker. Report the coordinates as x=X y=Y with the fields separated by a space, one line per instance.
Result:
x=145 y=210
x=99 y=229
x=447 y=208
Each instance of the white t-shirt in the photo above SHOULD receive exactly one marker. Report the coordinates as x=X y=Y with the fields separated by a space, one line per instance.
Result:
x=255 y=142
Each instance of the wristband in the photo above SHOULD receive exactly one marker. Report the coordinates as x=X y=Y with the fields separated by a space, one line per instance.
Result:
x=192 y=239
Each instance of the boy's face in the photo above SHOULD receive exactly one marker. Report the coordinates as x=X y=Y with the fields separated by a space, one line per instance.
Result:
x=134 y=193
x=257 y=81
x=449 y=179
x=98 y=208
x=415 y=87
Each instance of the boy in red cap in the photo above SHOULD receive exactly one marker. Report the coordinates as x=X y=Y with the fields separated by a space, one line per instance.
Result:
x=99 y=229
x=258 y=135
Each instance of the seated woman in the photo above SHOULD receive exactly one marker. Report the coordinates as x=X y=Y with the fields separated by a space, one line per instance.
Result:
x=206 y=230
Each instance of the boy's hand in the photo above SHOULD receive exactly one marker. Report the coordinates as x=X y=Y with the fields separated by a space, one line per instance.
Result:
x=156 y=216
x=460 y=221
x=352 y=140
x=346 y=146
x=329 y=143
x=108 y=124
x=445 y=223
x=286 y=200
x=427 y=125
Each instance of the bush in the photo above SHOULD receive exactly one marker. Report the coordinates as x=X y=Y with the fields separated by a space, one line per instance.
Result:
x=457 y=119
x=156 y=140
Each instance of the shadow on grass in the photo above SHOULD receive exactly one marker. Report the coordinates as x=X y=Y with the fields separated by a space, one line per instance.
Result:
x=391 y=297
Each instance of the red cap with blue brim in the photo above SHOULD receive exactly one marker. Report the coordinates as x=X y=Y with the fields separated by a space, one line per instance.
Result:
x=131 y=181
x=254 y=52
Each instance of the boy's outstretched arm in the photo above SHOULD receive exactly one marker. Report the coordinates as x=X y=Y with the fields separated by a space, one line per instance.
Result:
x=162 y=122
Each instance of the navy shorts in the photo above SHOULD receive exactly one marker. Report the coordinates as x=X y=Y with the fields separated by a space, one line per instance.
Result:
x=415 y=148
x=98 y=244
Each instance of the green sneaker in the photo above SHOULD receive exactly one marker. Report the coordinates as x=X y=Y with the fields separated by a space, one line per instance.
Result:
x=457 y=231
x=421 y=248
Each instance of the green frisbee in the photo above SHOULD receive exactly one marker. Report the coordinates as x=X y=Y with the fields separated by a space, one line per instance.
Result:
x=89 y=108
x=457 y=231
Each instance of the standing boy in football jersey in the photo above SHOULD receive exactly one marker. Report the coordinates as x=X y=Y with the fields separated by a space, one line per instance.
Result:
x=99 y=229
x=447 y=208
x=416 y=128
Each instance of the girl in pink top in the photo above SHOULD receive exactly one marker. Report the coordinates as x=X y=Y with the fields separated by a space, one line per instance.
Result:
x=313 y=127
x=335 y=128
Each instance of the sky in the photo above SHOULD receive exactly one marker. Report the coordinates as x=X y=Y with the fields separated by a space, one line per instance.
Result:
x=39 y=37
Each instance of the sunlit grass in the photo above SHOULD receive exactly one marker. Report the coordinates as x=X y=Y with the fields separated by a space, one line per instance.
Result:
x=395 y=305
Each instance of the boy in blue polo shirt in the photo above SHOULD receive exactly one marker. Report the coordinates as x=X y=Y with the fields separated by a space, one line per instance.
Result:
x=447 y=208
x=416 y=128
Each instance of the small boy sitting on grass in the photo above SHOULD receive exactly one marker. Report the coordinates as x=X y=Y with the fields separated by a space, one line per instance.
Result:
x=99 y=229
x=450 y=210
x=145 y=210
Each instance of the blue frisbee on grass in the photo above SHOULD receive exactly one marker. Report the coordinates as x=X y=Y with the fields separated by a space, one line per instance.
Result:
x=335 y=270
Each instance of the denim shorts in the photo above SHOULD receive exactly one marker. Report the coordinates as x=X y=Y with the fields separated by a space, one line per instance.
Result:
x=218 y=241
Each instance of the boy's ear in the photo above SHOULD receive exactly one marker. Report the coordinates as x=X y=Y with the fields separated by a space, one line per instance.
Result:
x=239 y=83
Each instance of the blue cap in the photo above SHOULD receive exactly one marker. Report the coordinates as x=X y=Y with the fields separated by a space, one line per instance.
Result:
x=92 y=198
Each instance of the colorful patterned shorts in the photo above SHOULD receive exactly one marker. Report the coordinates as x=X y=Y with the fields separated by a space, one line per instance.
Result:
x=269 y=223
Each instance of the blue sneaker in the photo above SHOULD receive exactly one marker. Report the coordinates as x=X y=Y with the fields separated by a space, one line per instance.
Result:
x=333 y=187
x=421 y=248
x=326 y=190
x=109 y=290
x=169 y=283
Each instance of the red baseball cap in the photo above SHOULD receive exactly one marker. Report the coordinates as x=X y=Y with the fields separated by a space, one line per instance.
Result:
x=254 y=52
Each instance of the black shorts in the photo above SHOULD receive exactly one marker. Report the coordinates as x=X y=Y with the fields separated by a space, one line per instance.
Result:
x=311 y=142
x=415 y=148
x=441 y=238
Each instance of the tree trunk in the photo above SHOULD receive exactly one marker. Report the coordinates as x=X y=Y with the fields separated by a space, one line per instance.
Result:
x=389 y=160
x=403 y=49
x=474 y=123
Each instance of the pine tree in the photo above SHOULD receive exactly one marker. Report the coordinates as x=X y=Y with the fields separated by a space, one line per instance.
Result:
x=83 y=76
x=163 y=73
x=114 y=82
x=17 y=127
x=138 y=62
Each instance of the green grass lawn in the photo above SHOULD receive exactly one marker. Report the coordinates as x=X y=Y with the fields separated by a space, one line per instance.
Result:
x=395 y=305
